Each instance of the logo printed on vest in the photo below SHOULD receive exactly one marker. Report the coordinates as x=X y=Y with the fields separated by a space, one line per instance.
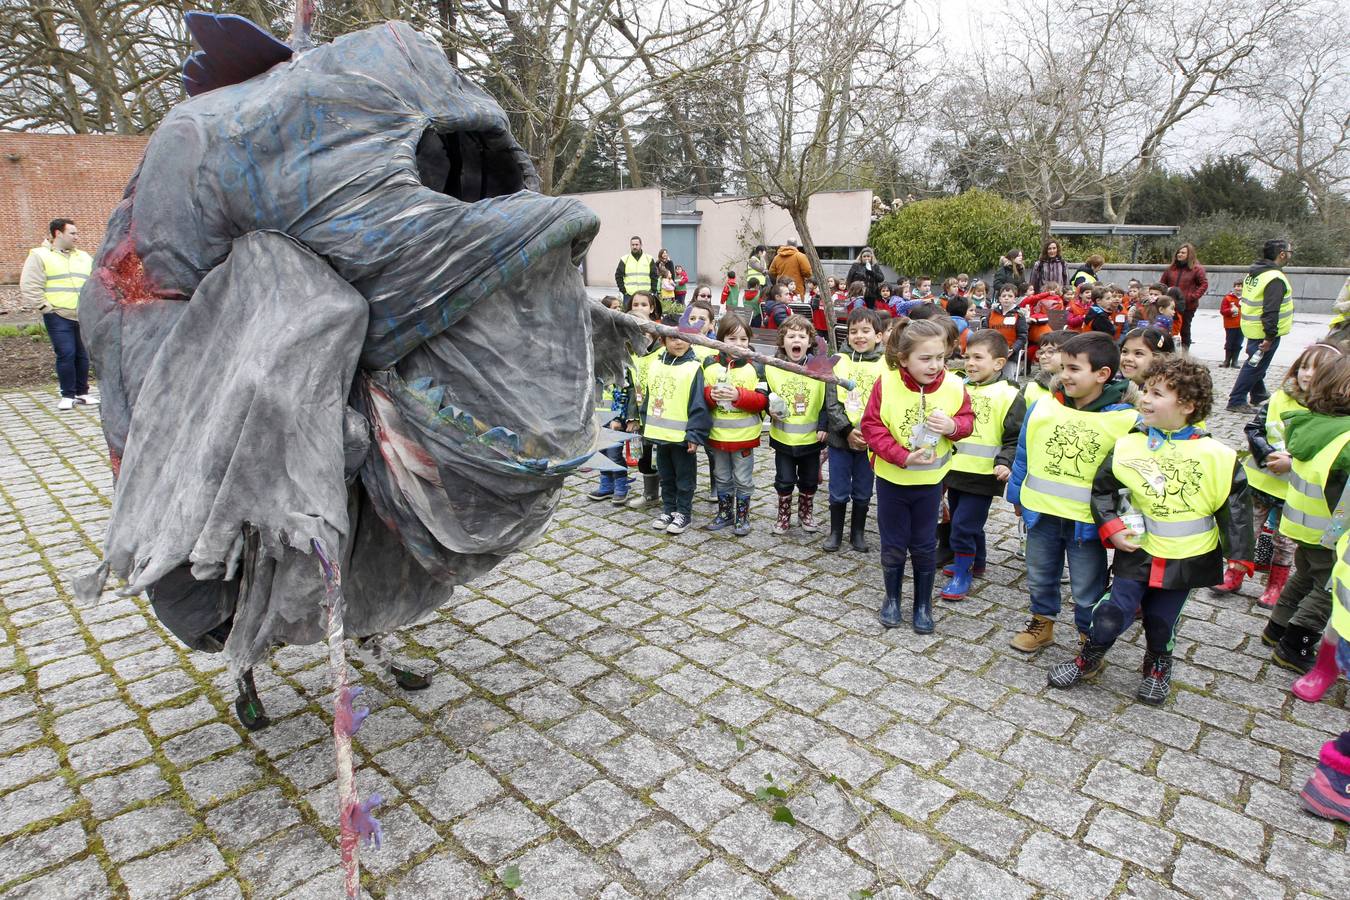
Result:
x=982 y=406
x=661 y=387
x=1069 y=443
x=1171 y=480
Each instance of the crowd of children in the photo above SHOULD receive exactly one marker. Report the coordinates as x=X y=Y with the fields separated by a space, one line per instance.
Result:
x=1078 y=405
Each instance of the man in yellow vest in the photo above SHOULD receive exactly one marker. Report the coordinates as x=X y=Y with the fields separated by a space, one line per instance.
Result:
x=1267 y=311
x=636 y=272
x=51 y=280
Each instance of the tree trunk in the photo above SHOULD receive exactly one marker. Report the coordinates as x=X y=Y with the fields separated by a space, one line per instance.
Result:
x=798 y=214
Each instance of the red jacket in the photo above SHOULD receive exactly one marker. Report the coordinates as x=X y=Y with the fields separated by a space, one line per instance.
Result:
x=883 y=443
x=1191 y=281
x=1230 y=308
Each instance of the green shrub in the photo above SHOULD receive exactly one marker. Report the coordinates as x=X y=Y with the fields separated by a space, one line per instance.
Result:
x=947 y=235
x=36 y=331
x=1077 y=249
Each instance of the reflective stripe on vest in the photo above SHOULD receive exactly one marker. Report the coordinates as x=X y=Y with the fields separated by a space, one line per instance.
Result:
x=901 y=410
x=637 y=273
x=1064 y=448
x=1306 y=516
x=1177 y=487
x=1252 y=302
x=1340 y=588
x=65 y=275
x=734 y=425
x=668 y=390
x=804 y=398
x=990 y=403
x=1263 y=479
x=864 y=375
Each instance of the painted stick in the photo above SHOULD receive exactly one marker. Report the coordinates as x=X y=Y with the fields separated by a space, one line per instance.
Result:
x=302 y=26
x=342 y=738
x=746 y=353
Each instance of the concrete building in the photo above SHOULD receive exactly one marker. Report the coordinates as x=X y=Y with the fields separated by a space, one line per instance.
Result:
x=709 y=235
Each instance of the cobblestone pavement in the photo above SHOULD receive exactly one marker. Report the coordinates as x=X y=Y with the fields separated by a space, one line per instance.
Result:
x=619 y=714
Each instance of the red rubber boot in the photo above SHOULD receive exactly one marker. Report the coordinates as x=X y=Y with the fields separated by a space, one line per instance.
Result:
x=1232 y=580
x=1274 y=585
x=1312 y=687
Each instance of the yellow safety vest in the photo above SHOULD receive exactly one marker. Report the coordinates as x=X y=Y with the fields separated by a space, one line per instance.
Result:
x=1034 y=392
x=702 y=353
x=1340 y=588
x=66 y=274
x=733 y=425
x=804 y=397
x=1263 y=479
x=637 y=273
x=1083 y=276
x=640 y=364
x=1177 y=488
x=1253 y=299
x=668 y=390
x=1064 y=448
x=864 y=375
x=901 y=410
x=990 y=402
x=1306 y=516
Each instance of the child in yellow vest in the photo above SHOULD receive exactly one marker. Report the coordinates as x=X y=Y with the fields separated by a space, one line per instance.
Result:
x=1268 y=468
x=677 y=422
x=797 y=425
x=1064 y=439
x=851 y=476
x=1327 y=792
x=1318 y=441
x=1186 y=510
x=642 y=305
x=1140 y=348
x=915 y=411
x=983 y=461
x=737 y=394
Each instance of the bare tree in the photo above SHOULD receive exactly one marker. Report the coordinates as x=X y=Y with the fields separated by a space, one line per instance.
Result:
x=820 y=96
x=1304 y=128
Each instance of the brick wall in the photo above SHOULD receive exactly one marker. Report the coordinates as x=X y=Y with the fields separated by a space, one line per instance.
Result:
x=49 y=176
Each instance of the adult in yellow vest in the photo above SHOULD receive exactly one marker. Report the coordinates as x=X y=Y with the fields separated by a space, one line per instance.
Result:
x=1267 y=310
x=636 y=272
x=51 y=280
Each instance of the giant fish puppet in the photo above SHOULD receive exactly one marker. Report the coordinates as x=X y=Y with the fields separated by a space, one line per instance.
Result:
x=334 y=323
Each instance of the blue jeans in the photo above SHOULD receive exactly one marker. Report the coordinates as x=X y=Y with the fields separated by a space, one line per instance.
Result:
x=72 y=362
x=907 y=518
x=851 y=476
x=1251 y=380
x=1049 y=541
x=733 y=472
x=969 y=514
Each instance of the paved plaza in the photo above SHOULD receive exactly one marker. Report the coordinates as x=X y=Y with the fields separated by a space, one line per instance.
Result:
x=618 y=713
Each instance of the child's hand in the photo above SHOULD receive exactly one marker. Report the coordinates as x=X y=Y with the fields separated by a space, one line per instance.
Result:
x=631 y=427
x=691 y=447
x=1122 y=542
x=1002 y=473
x=1279 y=462
x=920 y=457
x=855 y=440
x=820 y=436
x=940 y=422
x=725 y=392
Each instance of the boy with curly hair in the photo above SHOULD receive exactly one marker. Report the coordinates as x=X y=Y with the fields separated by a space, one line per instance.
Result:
x=1187 y=509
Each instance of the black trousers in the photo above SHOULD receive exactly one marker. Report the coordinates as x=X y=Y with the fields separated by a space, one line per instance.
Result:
x=801 y=472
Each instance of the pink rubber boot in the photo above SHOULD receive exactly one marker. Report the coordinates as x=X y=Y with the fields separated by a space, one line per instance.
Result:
x=1312 y=687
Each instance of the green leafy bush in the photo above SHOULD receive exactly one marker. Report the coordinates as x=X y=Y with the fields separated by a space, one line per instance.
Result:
x=947 y=235
x=36 y=331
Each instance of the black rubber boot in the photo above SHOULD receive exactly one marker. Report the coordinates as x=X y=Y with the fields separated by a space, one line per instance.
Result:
x=890 y=615
x=945 y=553
x=923 y=602
x=1297 y=649
x=247 y=706
x=857 y=537
x=1272 y=634
x=836 y=535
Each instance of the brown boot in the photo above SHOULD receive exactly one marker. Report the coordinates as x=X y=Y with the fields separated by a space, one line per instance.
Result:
x=806 y=512
x=1037 y=633
x=784 y=514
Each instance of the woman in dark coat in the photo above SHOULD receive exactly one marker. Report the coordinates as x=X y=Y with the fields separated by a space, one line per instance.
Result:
x=867 y=270
x=1050 y=267
x=1012 y=272
x=1188 y=276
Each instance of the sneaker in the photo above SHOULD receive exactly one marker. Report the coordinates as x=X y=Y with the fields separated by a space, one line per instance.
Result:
x=679 y=524
x=1038 y=632
x=662 y=522
x=600 y=494
x=1327 y=793
x=1098 y=663
x=1157 y=681
x=66 y=403
x=620 y=500
x=86 y=399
